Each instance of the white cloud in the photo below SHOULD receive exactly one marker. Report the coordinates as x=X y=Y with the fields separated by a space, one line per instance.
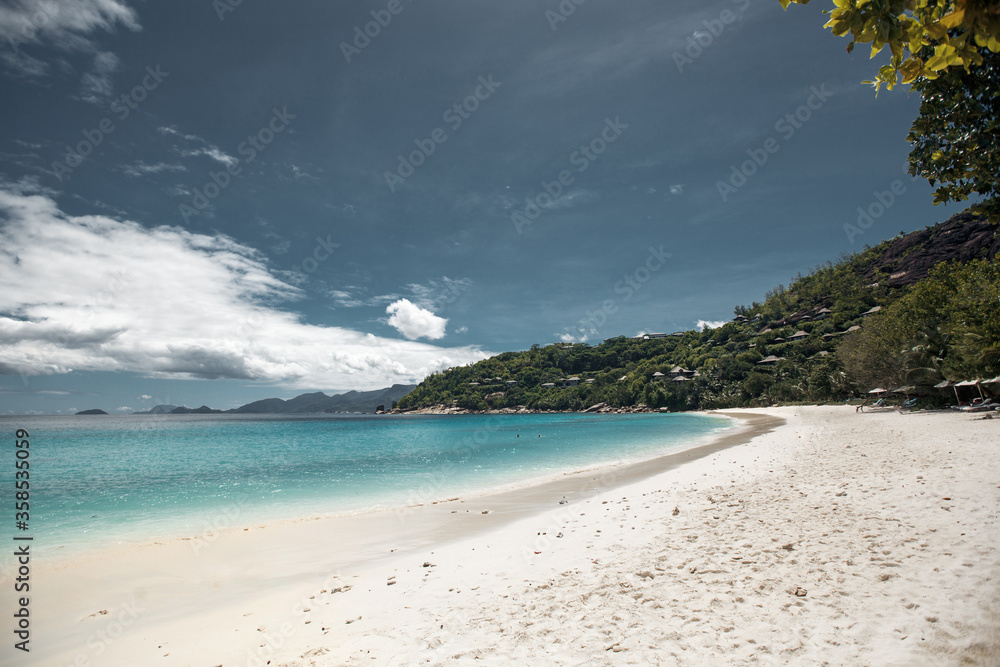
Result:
x=204 y=147
x=567 y=337
x=345 y=300
x=415 y=322
x=213 y=152
x=438 y=292
x=298 y=172
x=462 y=330
x=145 y=397
x=709 y=324
x=571 y=199
x=677 y=189
x=34 y=19
x=355 y=297
x=63 y=24
x=124 y=408
x=431 y=296
x=23 y=64
x=613 y=53
x=140 y=168
x=96 y=86
x=91 y=293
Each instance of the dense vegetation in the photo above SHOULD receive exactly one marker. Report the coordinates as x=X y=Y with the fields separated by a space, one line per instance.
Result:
x=956 y=137
x=945 y=325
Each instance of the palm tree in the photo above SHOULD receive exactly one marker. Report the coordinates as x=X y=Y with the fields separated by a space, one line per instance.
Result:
x=976 y=355
x=923 y=363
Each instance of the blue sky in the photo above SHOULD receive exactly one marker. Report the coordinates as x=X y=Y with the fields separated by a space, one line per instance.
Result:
x=208 y=203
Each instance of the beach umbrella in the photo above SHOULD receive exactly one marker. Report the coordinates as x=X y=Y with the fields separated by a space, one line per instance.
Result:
x=971 y=383
x=945 y=385
x=877 y=391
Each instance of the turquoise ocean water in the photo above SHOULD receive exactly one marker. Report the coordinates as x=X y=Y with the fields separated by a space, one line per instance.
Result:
x=100 y=480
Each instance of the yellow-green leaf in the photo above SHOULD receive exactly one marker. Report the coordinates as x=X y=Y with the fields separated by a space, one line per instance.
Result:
x=937 y=31
x=954 y=19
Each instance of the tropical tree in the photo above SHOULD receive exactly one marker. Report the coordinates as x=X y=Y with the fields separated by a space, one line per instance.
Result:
x=924 y=362
x=925 y=37
x=873 y=356
x=956 y=138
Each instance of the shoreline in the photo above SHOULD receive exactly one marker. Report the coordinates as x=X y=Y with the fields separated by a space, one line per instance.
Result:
x=700 y=560
x=836 y=539
x=230 y=513
x=307 y=550
x=512 y=501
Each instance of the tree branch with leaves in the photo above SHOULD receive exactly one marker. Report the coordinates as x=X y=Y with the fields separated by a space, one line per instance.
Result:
x=925 y=37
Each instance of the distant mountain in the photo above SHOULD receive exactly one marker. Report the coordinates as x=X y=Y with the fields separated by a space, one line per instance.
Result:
x=318 y=402
x=203 y=410
x=159 y=410
x=314 y=403
x=92 y=412
x=368 y=401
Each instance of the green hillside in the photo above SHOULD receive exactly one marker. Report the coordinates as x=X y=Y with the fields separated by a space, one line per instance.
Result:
x=912 y=310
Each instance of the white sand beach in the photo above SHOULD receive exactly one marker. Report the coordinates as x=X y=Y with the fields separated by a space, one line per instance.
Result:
x=835 y=539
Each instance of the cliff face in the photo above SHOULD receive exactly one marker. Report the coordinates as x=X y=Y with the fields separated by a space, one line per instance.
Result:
x=962 y=237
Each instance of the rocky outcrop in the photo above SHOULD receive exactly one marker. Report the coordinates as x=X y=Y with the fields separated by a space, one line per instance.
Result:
x=963 y=237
